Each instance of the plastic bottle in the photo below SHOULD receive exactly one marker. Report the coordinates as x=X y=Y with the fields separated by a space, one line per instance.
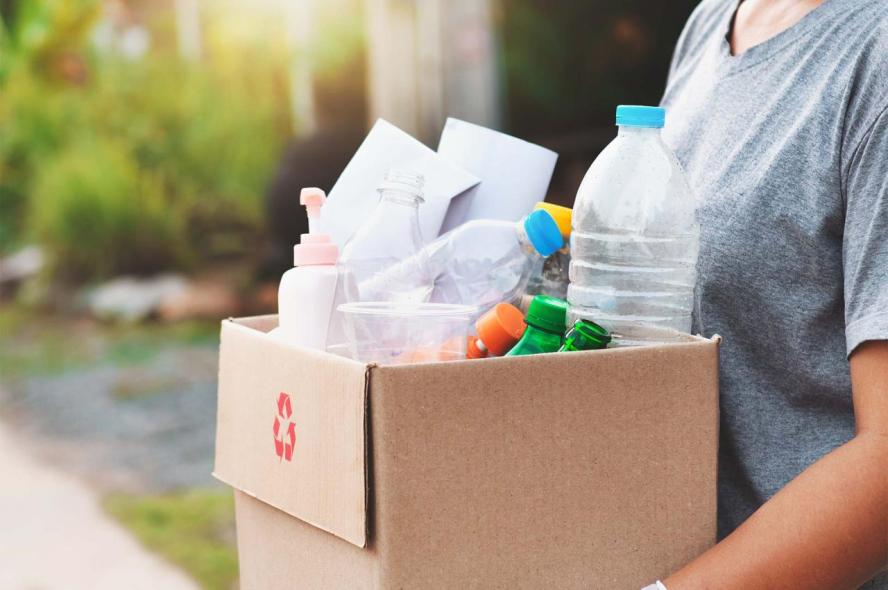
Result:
x=585 y=335
x=635 y=236
x=390 y=235
x=545 y=327
x=307 y=292
x=551 y=277
x=498 y=331
x=481 y=263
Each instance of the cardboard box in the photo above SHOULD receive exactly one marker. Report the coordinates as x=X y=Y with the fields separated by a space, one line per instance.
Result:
x=581 y=470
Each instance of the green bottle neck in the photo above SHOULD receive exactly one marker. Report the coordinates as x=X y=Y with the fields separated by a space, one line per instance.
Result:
x=536 y=341
x=585 y=335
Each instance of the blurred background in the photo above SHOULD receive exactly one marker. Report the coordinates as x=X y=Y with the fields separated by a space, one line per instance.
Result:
x=151 y=154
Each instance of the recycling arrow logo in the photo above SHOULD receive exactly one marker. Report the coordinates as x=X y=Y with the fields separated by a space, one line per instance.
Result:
x=284 y=428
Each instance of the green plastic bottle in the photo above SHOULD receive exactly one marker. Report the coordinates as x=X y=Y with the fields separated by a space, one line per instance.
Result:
x=545 y=326
x=585 y=335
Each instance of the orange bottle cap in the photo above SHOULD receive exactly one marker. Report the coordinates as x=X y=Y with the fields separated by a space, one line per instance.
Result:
x=475 y=349
x=500 y=328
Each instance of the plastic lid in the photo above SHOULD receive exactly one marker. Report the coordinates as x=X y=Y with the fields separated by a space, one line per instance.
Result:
x=475 y=349
x=547 y=313
x=500 y=328
x=561 y=215
x=587 y=335
x=641 y=116
x=314 y=249
x=543 y=232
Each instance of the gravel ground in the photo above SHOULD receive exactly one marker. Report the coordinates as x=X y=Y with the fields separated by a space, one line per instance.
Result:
x=146 y=427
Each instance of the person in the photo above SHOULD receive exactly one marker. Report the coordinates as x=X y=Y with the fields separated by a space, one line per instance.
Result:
x=778 y=110
x=316 y=159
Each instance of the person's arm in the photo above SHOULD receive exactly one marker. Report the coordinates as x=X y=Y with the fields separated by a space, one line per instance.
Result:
x=828 y=528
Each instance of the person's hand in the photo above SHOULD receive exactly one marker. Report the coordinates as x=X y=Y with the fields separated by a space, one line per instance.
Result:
x=658 y=585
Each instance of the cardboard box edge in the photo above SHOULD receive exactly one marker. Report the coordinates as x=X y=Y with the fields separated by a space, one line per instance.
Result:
x=359 y=541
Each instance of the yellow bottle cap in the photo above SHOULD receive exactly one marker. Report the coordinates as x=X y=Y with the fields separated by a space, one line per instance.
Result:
x=561 y=215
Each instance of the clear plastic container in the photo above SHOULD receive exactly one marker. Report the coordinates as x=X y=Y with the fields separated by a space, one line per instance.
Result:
x=480 y=263
x=399 y=333
x=635 y=237
x=390 y=235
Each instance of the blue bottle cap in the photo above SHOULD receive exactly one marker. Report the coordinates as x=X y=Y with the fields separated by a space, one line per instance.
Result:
x=543 y=232
x=640 y=116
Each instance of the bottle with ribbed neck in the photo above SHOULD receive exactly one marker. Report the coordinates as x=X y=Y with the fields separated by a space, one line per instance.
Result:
x=391 y=234
x=480 y=263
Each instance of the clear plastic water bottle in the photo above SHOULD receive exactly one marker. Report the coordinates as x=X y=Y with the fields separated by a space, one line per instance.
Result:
x=480 y=263
x=635 y=237
x=550 y=277
x=390 y=235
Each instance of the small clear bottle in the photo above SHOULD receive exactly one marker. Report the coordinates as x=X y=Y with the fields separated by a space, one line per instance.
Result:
x=480 y=263
x=390 y=235
x=551 y=276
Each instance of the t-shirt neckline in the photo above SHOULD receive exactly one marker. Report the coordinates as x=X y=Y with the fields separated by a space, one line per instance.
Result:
x=766 y=49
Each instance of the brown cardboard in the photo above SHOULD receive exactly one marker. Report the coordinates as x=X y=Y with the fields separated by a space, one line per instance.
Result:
x=323 y=481
x=580 y=470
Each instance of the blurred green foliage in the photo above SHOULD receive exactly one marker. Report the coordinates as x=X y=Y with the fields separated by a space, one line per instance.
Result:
x=90 y=200
x=33 y=38
x=33 y=343
x=120 y=164
x=194 y=529
x=35 y=33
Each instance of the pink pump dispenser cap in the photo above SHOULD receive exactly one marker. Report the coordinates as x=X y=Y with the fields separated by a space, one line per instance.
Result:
x=314 y=249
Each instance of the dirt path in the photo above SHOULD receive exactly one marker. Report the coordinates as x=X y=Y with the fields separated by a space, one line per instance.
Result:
x=54 y=535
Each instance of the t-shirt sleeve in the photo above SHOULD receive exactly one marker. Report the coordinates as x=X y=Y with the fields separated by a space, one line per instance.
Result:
x=865 y=243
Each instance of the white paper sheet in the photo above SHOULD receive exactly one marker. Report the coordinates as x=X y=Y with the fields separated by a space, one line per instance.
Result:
x=514 y=174
x=354 y=196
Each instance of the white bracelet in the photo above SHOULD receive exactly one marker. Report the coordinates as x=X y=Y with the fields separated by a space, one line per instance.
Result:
x=656 y=586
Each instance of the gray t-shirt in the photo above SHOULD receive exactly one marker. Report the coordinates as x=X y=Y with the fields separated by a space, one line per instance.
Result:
x=786 y=148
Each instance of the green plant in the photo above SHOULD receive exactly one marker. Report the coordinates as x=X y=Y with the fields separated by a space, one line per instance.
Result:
x=34 y=343
x=213 y=143
x=99 y=215
x=185 y=147
x=194 y=530
x=37 y=39
x=41 y=35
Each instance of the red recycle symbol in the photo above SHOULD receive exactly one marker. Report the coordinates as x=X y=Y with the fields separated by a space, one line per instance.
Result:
x=284 y=441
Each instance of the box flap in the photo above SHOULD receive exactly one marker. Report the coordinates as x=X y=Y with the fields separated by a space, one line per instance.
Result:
x=291 y=428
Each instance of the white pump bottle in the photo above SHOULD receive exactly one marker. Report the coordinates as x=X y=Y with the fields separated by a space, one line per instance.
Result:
x=307 y=292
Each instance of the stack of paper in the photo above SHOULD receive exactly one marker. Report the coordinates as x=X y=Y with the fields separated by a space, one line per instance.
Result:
x=477 y=173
